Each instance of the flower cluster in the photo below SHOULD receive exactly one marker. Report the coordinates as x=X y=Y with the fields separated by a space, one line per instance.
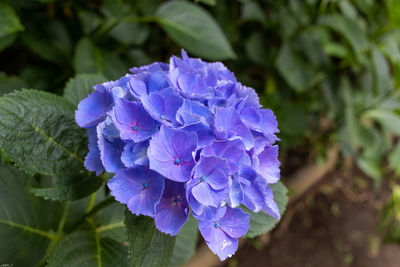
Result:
x=185 y=136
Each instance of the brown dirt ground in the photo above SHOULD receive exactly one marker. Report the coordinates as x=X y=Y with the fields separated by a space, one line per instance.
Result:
x=333 y=225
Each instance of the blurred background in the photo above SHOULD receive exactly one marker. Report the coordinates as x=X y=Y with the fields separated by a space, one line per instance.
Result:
x=329 y=69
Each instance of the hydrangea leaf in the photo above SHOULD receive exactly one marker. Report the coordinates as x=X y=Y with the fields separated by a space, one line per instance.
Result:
x=9 y=21
x=194 y=29
x=27 y=223
x=80 y=86
x=261 y=223
x=87 y=58
x=148 y=246
x=88 y=248
x=185 y=243
x=38 y=132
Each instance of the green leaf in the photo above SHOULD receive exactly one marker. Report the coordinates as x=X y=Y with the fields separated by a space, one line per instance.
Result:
x=194 y=29
x=185 y=244
x=87 y=58
x=381 y=75
x=81 y=86
x=251 y=11
x=27 y=223
x=348 y=28
x=130 y=33
x=7 y=40
x=208 y=2
x=50 y=41
x=261 y=223
x=38 y=132
x=148 y=246
x=10 y=83
x=90 y=59
x=387 y=118
x=394 y=159
x=9 y=21
x=88 y=248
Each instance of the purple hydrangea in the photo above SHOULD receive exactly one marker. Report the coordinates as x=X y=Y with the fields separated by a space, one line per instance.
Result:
x=185 y=137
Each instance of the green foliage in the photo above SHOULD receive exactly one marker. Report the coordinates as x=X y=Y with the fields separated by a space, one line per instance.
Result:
x=185 y=243
x=194 y=29
x=9 y=25
x=28 y=224
x=148 y=246
x=89 y=249
x=261 y=223
x=330 y=70
x=39 y=133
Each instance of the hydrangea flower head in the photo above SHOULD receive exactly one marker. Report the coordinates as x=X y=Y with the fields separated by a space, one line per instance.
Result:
x=185 y=137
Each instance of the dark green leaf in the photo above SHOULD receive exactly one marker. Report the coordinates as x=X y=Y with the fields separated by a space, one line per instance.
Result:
x=148 y=246
x=394 y=159
x=208 y=2
x=7 y=40
x=10 y=83
x=27 y=224
x=81 y=86
x=185 y=244
x=50 y=41
x=38 y=132
x=88 y=248
x=261 y=223
x=87 y=58
x=129 y=32
x=194 y=29
x=252 y=11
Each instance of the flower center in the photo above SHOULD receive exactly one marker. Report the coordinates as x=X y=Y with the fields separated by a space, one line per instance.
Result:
x=203 y=178
x=145 y=185
x=135 y=128
x=177 y=161
x=162 y=117
x=176 y=200
x=216 y=225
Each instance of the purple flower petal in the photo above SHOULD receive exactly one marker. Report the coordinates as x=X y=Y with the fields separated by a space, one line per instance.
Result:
x=171 y=153
x=235 y=222
x=227 y=124
x=92 y=159
x=139 y=187
x=163 y=106
x=267 y=164
x=173 y=209
x=135 y=154
x=93 y=109
x=133 y=122
x=110 y=149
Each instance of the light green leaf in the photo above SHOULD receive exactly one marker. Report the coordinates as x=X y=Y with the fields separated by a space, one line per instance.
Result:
x=387 y=118
x=185 y=243
x=194 y=29
x=348 y=28
x=38 y=132
x=9 y=21
x=261 y=223
x=88 y=248
x=81 y=86
x=27 y=224
x=381 y=75
x=394 y=159
x=148 y=246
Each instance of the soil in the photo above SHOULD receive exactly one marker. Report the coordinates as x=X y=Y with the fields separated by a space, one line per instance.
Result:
x=333 y=225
